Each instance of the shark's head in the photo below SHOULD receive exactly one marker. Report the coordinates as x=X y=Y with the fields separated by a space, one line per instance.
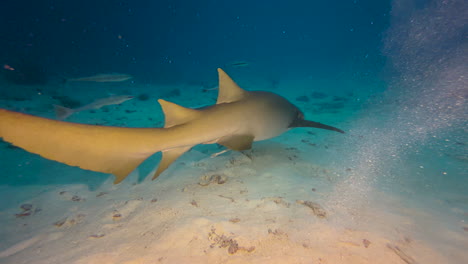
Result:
x=299 y=121
x=266 y=115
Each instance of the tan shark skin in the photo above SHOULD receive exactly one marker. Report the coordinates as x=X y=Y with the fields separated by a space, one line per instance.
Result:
x=237 y=119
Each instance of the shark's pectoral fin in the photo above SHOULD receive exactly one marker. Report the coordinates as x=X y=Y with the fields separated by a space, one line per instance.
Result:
x=122 y=169
x=237 y=142
x=168 y=157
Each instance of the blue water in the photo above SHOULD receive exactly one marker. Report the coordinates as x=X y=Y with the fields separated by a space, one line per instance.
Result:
x=392 y=74
x=181 y=40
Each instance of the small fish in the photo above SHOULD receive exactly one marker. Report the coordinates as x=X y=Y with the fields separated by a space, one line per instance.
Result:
x=106 y=77
x=8 y=67
x=63 y=112
x=239 y=64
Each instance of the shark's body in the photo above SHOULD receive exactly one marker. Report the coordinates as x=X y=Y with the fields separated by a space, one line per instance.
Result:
x=236 y=120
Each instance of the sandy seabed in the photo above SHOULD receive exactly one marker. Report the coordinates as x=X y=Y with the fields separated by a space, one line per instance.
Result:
x=235 y=208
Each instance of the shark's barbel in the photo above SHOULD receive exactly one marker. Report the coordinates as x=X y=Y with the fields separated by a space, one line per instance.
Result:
x=238 y=118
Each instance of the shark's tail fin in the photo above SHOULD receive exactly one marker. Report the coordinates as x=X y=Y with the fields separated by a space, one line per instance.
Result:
x=62 y=112
x=116 y=150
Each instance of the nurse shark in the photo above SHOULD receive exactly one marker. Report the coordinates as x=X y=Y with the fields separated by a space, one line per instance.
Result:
x=238 y=118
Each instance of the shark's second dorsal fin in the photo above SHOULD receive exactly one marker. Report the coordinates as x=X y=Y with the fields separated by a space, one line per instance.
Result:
x=229 y=91
x=175 y=114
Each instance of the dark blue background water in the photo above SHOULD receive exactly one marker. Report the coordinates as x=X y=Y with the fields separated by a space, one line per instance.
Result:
x=168 y=41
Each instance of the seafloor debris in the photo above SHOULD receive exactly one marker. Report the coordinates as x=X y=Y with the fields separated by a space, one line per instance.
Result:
x=227 y=197
x=280 y=201
x=223 y=241
x=101 y=194
x=405 y=257
x=277 y=200
x=291 y=153
x=194 y=203
x=316 y=208
x=61 y=222
x=366 y=243
x=74 y=198
x=208 y=179
x=234 y=220
x=308 y=142
x=116 y=215
x=28 y=209
x=70 y=221
x=246 y=157
x=278 y=233
x=97 y=235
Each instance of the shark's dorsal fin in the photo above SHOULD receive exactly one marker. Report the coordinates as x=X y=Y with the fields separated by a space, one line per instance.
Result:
x=175 y=114
x=229 y=91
